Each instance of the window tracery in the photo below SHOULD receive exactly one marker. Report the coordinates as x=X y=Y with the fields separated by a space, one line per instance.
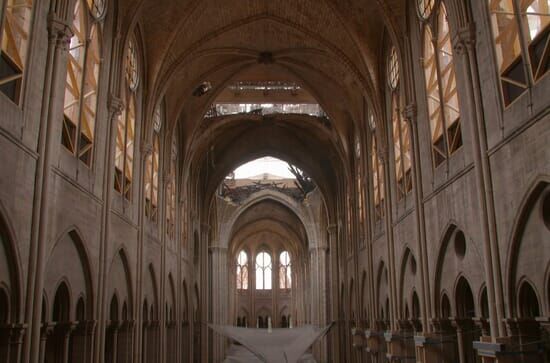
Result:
x=81 y=87
x=400 y=131
x=263 y=271
x=441 y=89
x=425 y=8
x=285 y=273
x=124 y=153
x=242 y=271
x=152 y=169
x=171 y=192
x=521 y=36
x=377 y=174
x=16 y=27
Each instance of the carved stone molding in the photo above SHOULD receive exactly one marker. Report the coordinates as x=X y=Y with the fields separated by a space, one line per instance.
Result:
x=464 y=39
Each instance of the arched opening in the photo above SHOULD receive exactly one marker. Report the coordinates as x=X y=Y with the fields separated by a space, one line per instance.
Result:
x=465 y=312
x=528 y=303
x=415 y=306
x=445 y=307
x=464 y=300
x=4 y=307
x=56 y=342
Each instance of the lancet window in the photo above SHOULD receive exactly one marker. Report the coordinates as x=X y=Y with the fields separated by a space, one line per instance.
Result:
x=15 y=26
x=264 y=270
x=521 y=30
x=125 y=137
x=242 y=271
x=377 y=173
x=285 y=273
x=81 y=85
x=152 y=169
x=400 y=130
x=171 y=192
x=440 y=78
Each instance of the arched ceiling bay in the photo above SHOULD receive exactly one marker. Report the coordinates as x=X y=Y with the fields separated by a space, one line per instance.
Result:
x=331 y=48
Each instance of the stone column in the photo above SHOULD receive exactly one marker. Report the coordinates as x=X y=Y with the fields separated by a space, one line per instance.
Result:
x=464 y=46
x=45 y=332
x=59 y=34
x=410 y=116
x=318 y=296
x=204 y=286
x=334 y=341
x=220 y=299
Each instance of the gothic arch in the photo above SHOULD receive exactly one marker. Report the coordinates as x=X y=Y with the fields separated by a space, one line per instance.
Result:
x=364 y=305
x=464 y=298
x=171 y=298
x=451 y=231
x=70 y=251
x=120 y=281
x=527 y=229
x=9 y=267
x=406 y=286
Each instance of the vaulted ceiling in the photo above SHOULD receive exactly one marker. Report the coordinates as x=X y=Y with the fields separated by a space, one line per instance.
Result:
x=330 y=48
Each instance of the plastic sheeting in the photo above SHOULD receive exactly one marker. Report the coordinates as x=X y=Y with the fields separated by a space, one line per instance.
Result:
x=277 y=346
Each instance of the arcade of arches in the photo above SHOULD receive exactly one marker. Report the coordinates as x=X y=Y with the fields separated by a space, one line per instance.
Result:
x=416 y=212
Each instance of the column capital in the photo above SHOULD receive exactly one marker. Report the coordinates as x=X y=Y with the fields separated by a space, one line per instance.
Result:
x=410 y=112
x=59 y=31
x=115 y=105
x=464 y=39
x=146 y=149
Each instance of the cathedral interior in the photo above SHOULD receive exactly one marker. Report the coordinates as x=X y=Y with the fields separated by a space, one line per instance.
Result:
x=381 y=167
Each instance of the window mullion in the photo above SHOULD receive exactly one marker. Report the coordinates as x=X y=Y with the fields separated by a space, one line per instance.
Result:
x=523 y=44
x=435 y=42
x=81 y=97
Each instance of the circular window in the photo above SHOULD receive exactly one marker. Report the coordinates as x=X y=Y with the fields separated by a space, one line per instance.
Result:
x=460 y=244
x=413 y=265
x=97 y=8
x=132 y=75
x=546 y=210
x=393 y=69
x=425 y=8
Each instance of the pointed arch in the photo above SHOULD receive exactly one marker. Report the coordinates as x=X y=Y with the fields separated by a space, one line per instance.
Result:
x=70 y=250
x=120 y=281
x=464 y=299
x=10 y=267
x=527 y=208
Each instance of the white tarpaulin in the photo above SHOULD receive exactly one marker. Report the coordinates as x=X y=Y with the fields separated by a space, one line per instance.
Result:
x=277 y=345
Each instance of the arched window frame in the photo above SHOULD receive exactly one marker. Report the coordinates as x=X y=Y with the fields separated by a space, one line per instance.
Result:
x=285 y=270
x=521 y=31
x=171 y=191
x=82 y=84
x=440 y=82
x=400 y=129
x=360 y=181
x=152 y=165
x=242 y=270
x=125 y=137
x=16 y=20
x=264 y=270
x=377 y=172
